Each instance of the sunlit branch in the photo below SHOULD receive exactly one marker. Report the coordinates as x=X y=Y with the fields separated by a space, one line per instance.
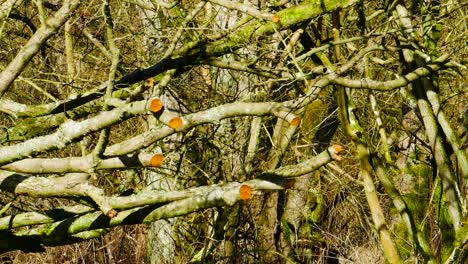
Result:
x=83 y=164
x=212 y=115
x=70 y=185
x=242 y=66
x=70 y=131
x=245 y=8
x=392 y=84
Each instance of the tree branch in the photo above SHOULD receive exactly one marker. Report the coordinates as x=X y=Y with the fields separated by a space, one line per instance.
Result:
x=392 y=84
x=83 y=164
x=35 y=43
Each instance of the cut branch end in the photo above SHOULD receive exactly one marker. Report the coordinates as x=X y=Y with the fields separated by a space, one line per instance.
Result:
x=275 y=19
x=155 y=105
x=111 y=213
x=337 y=149
x=245 y=192
x=175 y=122
x=149 y=83
x=156 y=160
x=171 y=119
x=295 y=121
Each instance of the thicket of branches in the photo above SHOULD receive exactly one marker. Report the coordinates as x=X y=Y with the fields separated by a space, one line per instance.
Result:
x=253 y=131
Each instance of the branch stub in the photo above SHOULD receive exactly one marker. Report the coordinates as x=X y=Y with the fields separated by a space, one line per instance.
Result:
x=245 y=192
x=155 y=105
x=156 y=160
x=175 y=122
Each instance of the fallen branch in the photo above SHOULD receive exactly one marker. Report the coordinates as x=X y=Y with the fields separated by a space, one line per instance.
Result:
x=83 y=164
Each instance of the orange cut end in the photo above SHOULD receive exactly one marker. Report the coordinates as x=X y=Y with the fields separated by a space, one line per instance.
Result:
x=245 y=192
x=149 y=82
x=112 y=213
x=275 y=19
x=155 y=105
x=338 y=148
x=156 y=160
x=295 y=121
x=175 y=122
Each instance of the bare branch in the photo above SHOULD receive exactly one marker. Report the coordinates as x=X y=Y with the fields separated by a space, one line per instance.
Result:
x=392 y=84
x=33 y=46
x=245 y=8
x=83 y=164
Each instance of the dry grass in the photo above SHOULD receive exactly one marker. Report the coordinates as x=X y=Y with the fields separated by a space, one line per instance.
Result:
x=125 y=244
